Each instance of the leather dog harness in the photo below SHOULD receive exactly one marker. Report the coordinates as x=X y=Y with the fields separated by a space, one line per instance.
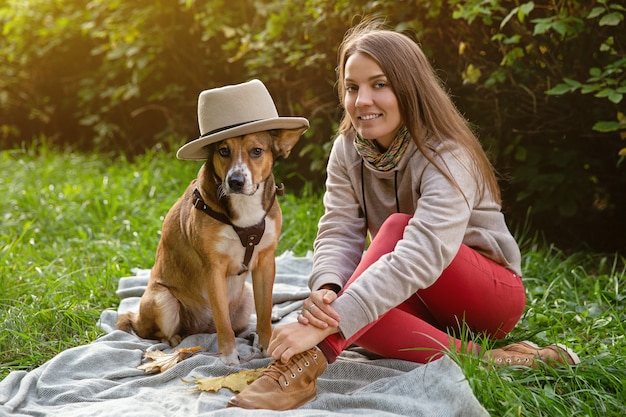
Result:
x=249 y=236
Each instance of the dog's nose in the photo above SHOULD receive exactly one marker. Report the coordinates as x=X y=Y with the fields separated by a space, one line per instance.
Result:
x=236 y=182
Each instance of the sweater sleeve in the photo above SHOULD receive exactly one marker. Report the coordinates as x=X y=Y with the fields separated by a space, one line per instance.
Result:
x=430 y=241
x=341 y=231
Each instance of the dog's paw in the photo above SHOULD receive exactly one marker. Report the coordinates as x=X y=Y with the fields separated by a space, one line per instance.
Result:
x=174 y=340
x=230 y=360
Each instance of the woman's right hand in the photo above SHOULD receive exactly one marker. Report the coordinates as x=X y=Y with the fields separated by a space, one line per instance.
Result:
x=316 y=310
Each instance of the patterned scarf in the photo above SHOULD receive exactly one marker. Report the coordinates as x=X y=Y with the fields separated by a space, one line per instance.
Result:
x=383 y=161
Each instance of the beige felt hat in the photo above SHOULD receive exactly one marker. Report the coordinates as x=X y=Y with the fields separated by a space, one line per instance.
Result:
x=235 y=110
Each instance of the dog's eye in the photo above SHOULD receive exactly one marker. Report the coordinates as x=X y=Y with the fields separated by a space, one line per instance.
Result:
x=224 y=152
x=256 y=152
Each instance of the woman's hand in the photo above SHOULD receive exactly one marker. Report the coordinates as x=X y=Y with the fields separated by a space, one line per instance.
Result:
x=293 y=338
x=316 y=310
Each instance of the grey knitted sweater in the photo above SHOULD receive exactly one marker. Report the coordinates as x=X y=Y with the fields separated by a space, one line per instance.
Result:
x=443 y=218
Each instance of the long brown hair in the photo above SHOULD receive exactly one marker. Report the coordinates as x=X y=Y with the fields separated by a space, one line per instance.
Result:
x=426 y=109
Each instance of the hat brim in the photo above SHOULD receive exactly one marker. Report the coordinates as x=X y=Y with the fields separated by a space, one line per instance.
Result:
x=196 y=149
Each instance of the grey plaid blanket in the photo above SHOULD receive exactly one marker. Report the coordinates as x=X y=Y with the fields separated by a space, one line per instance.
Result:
x=102 y=379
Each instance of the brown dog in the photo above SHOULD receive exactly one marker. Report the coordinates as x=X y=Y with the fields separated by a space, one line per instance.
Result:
x=198 y=282
x=224 y=227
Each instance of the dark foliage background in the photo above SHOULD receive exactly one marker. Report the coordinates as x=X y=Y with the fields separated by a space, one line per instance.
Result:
x=543 y=82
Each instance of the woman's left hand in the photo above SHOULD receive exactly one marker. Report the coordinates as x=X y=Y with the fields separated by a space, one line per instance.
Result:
x=317 y=309
x=293 y=338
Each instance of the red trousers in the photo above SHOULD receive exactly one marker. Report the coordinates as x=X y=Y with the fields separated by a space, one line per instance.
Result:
x=473 y=293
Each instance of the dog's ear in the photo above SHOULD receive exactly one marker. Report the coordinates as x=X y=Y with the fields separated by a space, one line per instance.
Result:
x=283 y=140
x=210 y=152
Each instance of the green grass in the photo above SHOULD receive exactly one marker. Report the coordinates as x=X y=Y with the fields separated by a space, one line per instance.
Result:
x=72 y=224
x=578 y=300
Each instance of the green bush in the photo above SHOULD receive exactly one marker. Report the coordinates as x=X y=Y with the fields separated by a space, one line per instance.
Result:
x=542 y=81
x=108 y=75
x=551 y=76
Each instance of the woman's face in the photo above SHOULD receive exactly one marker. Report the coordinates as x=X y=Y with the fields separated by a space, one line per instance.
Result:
x=370 y=101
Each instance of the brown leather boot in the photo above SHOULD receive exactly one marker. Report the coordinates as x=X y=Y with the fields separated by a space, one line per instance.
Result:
x=284 y=386
x=529 y=354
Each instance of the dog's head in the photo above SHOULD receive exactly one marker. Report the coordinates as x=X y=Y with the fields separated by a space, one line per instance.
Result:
x=242 y=163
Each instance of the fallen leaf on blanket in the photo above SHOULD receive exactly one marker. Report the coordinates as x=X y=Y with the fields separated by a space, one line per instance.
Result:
x=161 y=361
x=235 y=382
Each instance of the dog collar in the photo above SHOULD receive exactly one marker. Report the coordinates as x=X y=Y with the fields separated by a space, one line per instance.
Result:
x=249 y=236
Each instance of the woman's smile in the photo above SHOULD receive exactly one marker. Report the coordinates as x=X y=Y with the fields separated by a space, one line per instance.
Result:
x=369 y=117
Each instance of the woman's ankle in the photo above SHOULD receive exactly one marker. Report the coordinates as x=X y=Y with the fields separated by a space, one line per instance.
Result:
x=327 y=351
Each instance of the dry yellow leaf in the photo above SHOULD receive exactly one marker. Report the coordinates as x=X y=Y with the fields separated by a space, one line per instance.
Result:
x=161 y=361
x=235 y=382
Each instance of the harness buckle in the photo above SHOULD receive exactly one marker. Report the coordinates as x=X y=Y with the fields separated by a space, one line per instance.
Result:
x=199 y=204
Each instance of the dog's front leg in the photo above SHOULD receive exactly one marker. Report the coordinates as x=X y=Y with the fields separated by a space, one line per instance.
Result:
x=218 y=297
x=263 y=283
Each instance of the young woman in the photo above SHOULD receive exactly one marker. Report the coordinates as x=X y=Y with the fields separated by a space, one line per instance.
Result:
x=406 y=168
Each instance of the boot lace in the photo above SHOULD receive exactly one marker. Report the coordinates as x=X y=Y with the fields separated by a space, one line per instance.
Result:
x=290 y=370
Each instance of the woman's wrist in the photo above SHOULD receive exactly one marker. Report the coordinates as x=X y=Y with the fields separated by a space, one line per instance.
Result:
x=333 y=287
